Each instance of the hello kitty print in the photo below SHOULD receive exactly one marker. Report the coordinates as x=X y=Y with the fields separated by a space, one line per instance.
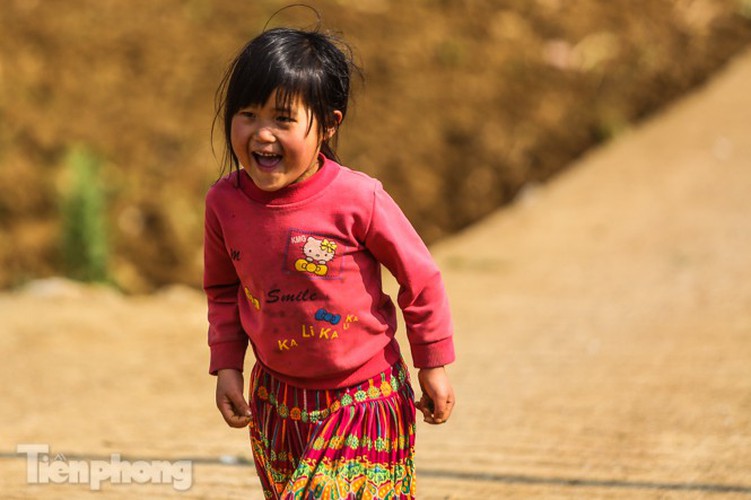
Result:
x=318 y=256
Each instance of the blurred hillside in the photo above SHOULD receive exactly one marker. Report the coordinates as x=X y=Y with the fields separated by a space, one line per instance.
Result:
x=463 y=104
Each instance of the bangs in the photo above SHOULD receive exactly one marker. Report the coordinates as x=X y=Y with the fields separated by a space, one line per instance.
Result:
x=293 y=74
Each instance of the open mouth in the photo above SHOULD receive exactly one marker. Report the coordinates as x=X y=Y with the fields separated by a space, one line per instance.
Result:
x=267 y=160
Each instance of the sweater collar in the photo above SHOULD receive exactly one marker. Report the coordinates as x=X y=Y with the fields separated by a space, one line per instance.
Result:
x=299 y=191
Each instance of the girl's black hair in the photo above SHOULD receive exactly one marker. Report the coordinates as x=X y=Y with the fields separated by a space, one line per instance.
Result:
x=309 y=65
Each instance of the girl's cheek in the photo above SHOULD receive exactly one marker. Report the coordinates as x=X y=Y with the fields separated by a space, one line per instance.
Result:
x=237 y=133
x=235 y=129
x=238 y=148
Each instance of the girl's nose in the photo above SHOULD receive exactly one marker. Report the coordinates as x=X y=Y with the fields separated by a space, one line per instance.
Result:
x=264 y=134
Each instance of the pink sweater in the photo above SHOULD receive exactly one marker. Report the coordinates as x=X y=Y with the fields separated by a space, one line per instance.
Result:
x=297 y=272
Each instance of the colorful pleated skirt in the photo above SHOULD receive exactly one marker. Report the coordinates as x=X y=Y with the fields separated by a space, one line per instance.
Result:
x=354 y=442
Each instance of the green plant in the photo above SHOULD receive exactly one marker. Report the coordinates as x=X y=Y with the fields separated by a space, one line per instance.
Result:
x=84 y=235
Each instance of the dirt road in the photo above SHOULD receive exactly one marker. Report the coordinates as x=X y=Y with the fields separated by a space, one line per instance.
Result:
x=603 y=329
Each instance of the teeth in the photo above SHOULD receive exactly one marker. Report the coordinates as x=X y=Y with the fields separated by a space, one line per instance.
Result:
x=267 y=160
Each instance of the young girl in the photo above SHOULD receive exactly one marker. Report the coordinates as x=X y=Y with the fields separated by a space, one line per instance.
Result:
x=294 y=242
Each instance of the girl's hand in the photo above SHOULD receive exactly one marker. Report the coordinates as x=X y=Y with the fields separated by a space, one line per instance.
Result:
x=230 y=399
x=437 y=399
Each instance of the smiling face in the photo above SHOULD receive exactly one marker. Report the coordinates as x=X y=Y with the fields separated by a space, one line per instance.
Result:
x=277 y=146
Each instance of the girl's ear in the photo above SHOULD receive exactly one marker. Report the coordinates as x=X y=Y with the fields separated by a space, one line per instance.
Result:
x=338 y=116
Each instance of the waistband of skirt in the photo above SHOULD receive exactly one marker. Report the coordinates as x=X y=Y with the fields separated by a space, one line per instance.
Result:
x=314 y=405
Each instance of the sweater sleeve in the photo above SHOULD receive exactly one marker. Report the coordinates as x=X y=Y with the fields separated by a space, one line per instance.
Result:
x=422 y=297
x=227 y=339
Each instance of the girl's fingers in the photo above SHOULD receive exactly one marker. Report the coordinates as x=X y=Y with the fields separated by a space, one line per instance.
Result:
x=426 y=413
x=435 y=413
x=241 y=406
x=443 y=411
x=234 y=417
x=427 y=407
x=234 y=420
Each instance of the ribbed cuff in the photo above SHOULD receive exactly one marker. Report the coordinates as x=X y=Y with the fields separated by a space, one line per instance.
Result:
x=439 y=353
x=228 y=355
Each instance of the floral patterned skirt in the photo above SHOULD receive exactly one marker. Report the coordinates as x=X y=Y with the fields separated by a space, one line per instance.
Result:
x=355 y=442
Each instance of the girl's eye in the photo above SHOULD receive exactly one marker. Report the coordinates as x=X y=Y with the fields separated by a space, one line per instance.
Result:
x=285 y=119
x=247 y=114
